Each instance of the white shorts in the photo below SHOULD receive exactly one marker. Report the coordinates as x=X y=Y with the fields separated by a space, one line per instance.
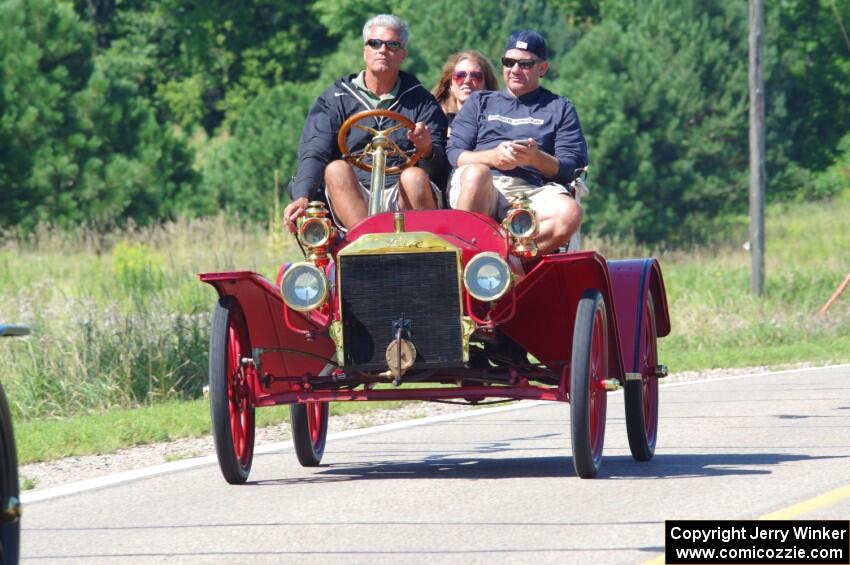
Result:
x=389 y=198
x=506 y=188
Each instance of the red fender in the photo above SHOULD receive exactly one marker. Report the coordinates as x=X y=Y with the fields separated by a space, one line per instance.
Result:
x=632 y=279
x=263 y=307
x=546 y=303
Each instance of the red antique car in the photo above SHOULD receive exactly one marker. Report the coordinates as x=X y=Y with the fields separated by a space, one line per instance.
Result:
x=445 y=298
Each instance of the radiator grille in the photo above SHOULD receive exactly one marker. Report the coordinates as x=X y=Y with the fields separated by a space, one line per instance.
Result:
x=377 y=290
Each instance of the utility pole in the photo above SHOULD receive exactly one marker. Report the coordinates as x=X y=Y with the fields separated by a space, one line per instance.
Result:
x=757 y=172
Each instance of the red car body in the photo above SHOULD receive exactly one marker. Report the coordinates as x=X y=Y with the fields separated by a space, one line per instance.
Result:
x=521 y=346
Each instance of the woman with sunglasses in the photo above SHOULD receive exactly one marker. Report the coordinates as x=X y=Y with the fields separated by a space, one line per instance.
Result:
x=463 y=73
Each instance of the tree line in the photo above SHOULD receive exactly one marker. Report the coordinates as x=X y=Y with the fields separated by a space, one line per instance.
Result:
x=143 y=109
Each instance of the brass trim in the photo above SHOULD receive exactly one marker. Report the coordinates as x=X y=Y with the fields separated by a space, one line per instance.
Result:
x=335 y=331
x=508 y=274
x=398 y=222
x=400 y=356
x=316 y=213
x=634 y=376
x=12 y=511
x=315 y=220
x=530 y=232
x=611 y=385
x=400 y=243
x=467 y=326
x=318 y=301
x=522 y=244
x=407 y=242
x=379 y=143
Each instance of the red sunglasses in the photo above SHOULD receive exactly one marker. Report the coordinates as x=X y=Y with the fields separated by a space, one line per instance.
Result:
x=474 y=76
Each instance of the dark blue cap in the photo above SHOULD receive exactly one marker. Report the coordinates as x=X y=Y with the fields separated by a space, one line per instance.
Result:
x=528 y=40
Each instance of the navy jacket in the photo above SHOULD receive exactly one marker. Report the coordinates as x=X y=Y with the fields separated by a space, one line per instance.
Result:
x=489 y=118
x=318 y=145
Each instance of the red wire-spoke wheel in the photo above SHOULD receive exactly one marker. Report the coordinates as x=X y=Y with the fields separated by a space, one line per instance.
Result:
x=588 y=370
x=641 y=397
x=230 y=396
x=361 y=159
x=309 y=423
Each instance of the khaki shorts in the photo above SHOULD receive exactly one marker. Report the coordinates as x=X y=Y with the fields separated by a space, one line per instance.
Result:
x=389 y=198
x=506 y=188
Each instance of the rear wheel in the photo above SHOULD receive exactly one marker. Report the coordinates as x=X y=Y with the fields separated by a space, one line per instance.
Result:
x=641 y=396
x=309 y=431
x=588 y=370
x=230 y=399
x=10 y=524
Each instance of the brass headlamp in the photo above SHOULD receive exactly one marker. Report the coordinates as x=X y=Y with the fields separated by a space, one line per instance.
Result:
x=522 y=226
x=315 y=230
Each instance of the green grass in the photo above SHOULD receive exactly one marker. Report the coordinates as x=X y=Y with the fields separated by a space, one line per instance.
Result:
x=109 y=432
x=120 y=320
x=44 y=440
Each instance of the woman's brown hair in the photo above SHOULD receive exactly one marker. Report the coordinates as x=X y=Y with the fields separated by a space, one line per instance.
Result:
x=442 y=90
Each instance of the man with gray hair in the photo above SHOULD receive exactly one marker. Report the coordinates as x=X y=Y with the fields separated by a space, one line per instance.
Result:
x=381 y=85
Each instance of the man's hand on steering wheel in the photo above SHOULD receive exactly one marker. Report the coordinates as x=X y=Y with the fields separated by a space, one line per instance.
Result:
x=293 y=211
x=420 y=137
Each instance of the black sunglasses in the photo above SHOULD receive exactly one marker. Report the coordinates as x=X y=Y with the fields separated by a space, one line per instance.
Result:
x=392 y=44
x=525 y=64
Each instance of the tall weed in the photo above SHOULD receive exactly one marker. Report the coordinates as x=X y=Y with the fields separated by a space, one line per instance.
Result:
x=120 y=319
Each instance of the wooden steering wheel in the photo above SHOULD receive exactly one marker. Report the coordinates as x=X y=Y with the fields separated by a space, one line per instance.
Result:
x=380 y=138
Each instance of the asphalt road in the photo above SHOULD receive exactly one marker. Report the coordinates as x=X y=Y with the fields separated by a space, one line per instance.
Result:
x=496 y=486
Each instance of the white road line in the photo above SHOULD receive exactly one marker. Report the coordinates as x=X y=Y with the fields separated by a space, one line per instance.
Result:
x=184 y=464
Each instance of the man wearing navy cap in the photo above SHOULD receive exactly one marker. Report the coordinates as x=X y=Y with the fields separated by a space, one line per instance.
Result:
x=521 y=139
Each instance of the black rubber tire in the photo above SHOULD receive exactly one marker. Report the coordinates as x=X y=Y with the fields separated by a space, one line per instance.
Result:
x=235 y=466
x=10 y=528
x=309 y=448
x=643 y=430
x=585 y=391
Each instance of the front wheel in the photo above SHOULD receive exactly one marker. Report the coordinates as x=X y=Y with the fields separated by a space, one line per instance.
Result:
x=309 y=431
x=641 y=396
x=230 y=399
x=588 y=397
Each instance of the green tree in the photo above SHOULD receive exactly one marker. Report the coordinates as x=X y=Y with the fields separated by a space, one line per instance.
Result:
x=811 y=70
x=207 y=60
x=78 y=141
x=239 y=173
x=661 y=92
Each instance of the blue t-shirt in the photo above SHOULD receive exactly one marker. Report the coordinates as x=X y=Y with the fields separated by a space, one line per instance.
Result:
x=489 y=118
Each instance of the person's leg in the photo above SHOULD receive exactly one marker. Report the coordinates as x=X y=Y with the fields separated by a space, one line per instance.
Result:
x=415 y=192
x=476 y=190
x=559 y=216
x=344 y=193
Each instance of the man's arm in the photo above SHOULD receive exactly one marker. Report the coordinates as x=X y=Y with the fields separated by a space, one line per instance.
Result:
x=532 y=156
x=432 y=140
x=570 y=146
x=570 y=150
x=464 y=140
x=464 y=136
x=315 y=150
x=505 y=156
